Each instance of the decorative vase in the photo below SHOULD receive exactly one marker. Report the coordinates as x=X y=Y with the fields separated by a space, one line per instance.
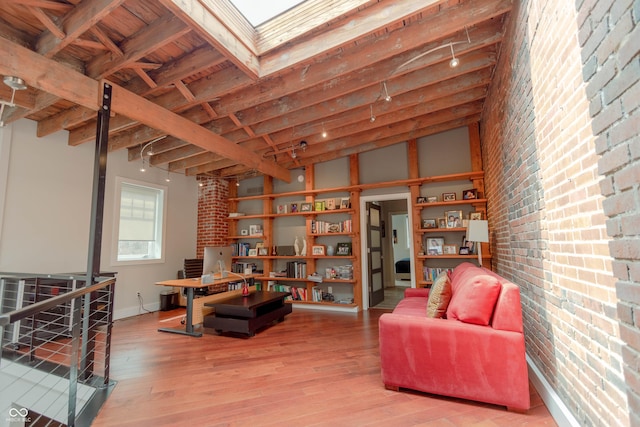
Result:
x=330 y=250
x=304 y=246
x=296 y=246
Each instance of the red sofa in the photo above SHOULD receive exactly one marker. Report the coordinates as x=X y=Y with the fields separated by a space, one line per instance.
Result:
x=477 y=352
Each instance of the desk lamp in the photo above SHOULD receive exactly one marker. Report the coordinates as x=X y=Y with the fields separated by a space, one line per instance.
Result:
x=478 y=232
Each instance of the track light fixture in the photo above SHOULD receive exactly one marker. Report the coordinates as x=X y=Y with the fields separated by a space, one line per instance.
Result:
x=372 y=118
x=324 y=131
x=303 y=145
x=15 y=83
x=387 y=97
x=454 y=61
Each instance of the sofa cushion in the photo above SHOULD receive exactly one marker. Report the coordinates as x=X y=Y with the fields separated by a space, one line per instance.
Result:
x=474 y=299
x=439 y=296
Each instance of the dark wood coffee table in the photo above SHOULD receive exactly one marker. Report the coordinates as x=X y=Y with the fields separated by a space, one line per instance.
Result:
x=247 y=314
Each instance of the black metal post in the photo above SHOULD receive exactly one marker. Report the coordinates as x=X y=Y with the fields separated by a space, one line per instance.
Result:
x=95 y=230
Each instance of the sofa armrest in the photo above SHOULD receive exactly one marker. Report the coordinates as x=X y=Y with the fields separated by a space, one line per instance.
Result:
x=416 y=292
x=454 y=358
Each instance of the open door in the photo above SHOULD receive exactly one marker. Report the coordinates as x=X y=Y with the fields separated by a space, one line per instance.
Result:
x=374 y=253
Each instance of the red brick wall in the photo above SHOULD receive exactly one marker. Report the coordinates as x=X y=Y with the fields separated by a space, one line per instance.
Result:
x=213 y=210
x=546 y=206
x=609 y=36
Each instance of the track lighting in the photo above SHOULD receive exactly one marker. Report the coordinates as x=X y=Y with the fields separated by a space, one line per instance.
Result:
x=387 y=97
x=372 y=118
x=293 y=153
x=324 y=131
x=454 y=61
x=15 y=83
x=303 y=145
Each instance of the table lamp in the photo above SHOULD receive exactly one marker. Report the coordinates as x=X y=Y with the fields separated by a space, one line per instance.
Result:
x=478 y=232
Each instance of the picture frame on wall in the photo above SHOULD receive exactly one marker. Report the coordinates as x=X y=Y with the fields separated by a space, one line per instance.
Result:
x=331 y=204
x=253 y=252
x=421 y=199
x=263 y=251
x=345 y=203
x=442 y=222
x=432 y=199
x=475 y=216
x=306 y=207
x=255 y=230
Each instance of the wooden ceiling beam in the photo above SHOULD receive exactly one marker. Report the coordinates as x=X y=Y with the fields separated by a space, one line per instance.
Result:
x=213 y=29
x=75 y=23
x=369 y=21
x=187 y=65
x=85 y=91
x=416 y=37
x=161 y=32
x=44 y=4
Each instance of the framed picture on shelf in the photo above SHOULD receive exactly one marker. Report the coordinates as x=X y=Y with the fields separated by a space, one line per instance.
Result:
x=294 y=208
x=429 y=223
x=255 y=230
x=345 y=203
x=470 y=194
x=343 y=249
x=282 y=209
x=317 y=250
x=331 y=204
x=449 y=249
x=475 y=215
x=306 y=207
x=442 y=222
x=421 y=200
x=253 y=252
x=435 y=245
x=319 y=205
x=454 y=219
x=244 y=232
x=263 y=251
x=469 y=246
x=463 y=250
x=448 y=197
x=432 y=199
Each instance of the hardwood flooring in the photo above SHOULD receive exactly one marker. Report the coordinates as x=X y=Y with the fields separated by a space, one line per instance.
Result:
x=313 y=369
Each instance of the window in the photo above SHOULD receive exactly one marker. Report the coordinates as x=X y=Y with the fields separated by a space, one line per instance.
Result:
x=140 y=214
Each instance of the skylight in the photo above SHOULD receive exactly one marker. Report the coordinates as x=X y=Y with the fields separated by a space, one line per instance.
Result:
x=258 y=12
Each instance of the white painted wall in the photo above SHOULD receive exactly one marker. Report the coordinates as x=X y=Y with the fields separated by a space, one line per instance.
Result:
x=47 y=207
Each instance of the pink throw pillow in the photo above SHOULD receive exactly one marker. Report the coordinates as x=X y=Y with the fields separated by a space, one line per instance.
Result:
x=473 y=300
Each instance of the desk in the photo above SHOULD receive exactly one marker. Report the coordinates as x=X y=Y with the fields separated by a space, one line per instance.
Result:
x=190 y=285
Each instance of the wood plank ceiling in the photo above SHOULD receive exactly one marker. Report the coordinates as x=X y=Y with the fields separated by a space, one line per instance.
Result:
x=231 y=100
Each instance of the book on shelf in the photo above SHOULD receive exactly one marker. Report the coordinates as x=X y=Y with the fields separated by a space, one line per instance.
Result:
x=316 y=294
x=430 y=274
x=297 y=269
x=322 y=227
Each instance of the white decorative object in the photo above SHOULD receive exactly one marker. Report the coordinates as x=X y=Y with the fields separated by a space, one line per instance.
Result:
x=296 y=246
x=304 y=246
x=330 y=250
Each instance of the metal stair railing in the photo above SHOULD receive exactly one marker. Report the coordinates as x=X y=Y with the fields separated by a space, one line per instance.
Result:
x=55 y=339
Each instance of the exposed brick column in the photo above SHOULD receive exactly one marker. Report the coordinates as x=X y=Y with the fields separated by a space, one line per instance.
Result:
x=213 y=210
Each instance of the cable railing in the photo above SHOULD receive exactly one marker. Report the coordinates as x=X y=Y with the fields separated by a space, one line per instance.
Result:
x=55 y=336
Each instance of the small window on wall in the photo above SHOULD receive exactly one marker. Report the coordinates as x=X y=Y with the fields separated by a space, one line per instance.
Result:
x=139 y=222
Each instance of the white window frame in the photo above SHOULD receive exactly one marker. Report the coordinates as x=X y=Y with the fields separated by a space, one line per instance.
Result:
x=161 y=224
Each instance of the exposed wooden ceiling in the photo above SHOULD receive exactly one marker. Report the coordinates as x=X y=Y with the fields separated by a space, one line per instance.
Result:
x=231 y=99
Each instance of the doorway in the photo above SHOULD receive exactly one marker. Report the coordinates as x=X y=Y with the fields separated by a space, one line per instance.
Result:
x=390 y=242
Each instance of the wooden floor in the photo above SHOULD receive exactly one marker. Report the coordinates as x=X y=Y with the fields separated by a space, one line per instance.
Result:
x=313 y=369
